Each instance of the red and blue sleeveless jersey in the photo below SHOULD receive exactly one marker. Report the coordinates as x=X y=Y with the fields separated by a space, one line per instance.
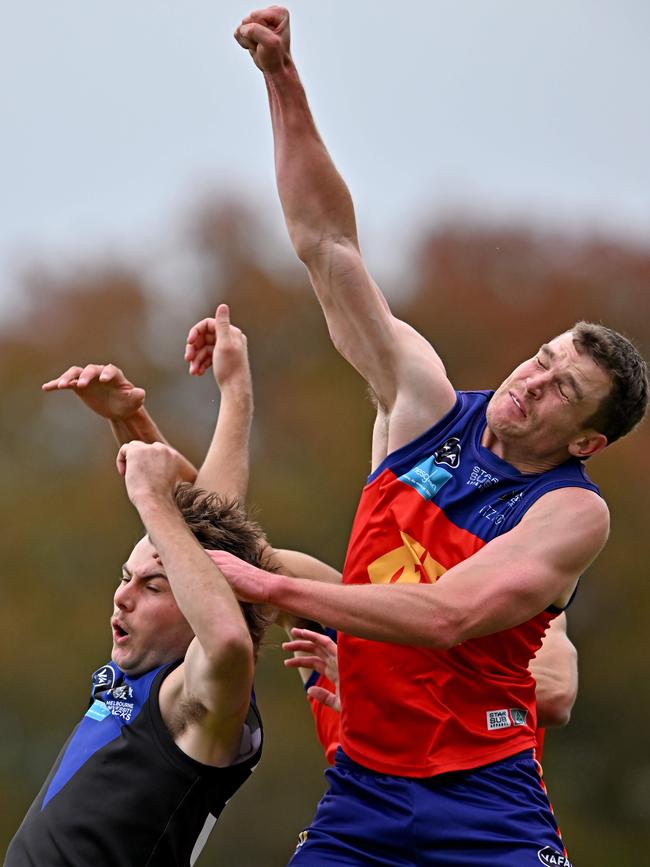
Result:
x=414 y=711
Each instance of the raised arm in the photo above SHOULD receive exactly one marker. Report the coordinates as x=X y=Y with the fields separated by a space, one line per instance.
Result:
x=213 y=684
x=398 y=363
x=216 y=343
x=555 y=669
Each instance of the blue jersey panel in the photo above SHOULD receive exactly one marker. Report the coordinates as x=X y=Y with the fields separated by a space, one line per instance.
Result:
x=477 y=491
x=116 y=699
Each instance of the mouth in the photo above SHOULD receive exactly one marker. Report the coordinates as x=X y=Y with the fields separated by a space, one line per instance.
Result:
x=518 y=404
x=120 y=633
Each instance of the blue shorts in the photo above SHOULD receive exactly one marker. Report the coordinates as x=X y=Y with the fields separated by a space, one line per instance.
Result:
x=495 y=816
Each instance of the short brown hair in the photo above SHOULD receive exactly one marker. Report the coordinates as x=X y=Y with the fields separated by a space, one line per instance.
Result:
x=220 y=524
x=625 y=405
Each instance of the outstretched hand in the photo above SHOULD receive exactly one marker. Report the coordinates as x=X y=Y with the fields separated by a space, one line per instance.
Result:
x=103 y=388
x=218 y=343
x=318 y=652
x=265 y=35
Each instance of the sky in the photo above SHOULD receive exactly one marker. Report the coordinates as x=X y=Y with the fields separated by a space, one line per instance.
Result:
x=117 y=116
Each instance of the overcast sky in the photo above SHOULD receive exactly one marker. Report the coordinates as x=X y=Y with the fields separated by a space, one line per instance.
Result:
x=115 y=115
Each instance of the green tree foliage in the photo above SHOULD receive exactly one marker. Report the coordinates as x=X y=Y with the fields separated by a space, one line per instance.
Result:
x=486 y=297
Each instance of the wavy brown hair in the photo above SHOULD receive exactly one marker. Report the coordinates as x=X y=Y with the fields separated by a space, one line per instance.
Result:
x=221 y=524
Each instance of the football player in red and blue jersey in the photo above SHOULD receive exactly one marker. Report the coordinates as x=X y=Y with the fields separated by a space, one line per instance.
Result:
x=470 y=537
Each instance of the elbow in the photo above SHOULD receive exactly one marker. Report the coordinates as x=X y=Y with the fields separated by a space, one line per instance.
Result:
x=554 y=709
x=229 y=649
x=445 y=631
x=317 y=250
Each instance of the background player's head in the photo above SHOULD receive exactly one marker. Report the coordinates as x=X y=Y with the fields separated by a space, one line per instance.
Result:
x=581 y=391
x=147 y=624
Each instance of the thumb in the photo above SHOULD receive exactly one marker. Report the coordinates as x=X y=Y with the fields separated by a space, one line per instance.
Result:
x=121 y=461
x=222 y=320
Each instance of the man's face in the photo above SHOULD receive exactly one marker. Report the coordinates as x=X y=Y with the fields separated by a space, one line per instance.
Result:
x=544 y=403
x=148 y=627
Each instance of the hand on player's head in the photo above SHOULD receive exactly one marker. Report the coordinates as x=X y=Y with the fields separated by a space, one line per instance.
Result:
x=103 y=388
x=265 y=35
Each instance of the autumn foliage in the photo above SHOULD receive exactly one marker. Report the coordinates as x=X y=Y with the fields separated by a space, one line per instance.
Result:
x=486 y=297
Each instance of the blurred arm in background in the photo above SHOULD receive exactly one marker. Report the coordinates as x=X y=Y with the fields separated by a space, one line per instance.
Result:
x=555 y=669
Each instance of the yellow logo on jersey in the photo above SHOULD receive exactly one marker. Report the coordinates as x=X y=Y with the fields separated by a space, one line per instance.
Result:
x=411 y=563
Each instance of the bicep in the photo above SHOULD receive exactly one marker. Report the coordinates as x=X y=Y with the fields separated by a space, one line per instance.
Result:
x=532 y=566
x=402 y=368
x=222 y=690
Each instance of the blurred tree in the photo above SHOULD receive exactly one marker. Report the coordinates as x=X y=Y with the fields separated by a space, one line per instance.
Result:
x=486 y=297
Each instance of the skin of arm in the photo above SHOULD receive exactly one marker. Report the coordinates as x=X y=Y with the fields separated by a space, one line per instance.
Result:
x=224 y=347
x=505 y=583
x=555 y=669
x=401 y=367
x=217 y=673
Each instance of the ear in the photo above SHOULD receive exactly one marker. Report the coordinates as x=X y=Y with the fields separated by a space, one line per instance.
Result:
x=587 y=444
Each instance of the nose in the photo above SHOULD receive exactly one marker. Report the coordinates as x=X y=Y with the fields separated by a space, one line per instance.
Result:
x=124 y=598
x=536 y=383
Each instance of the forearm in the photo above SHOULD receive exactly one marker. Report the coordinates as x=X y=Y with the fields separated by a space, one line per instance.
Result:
x=226 y=465
x=316 y=202
x=140 y=426
x=200 y=590
x=555 y=669
x=394 y=614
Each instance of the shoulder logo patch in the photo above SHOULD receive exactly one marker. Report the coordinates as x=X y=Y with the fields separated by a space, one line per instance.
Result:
x=449 y=453
x=102 y=679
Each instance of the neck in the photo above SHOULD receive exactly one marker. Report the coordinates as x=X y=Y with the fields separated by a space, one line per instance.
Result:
x=519 y=456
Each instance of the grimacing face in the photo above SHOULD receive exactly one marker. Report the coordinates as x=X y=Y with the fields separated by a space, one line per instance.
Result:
x=541 y=409
x=147 y=625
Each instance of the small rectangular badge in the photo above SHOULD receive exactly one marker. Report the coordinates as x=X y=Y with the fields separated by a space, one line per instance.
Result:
x=498 y=719
x=98 y=711
x=426 y=478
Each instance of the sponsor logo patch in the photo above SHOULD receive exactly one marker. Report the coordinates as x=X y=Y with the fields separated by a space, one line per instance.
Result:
x=481 y=479
x=503 y=719
x=98 y=711
x=449 y=453
x=553 y=858
x=518 y=716
x=498 y=719
x=426 y=478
